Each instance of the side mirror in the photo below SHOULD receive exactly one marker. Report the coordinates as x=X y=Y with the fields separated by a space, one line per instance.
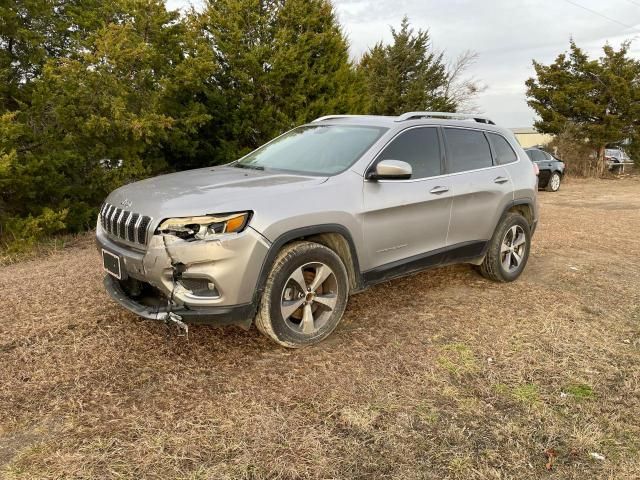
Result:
x=390 y=170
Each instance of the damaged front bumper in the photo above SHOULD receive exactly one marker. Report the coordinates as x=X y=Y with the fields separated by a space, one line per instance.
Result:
x=217 y=278
x=221 y=315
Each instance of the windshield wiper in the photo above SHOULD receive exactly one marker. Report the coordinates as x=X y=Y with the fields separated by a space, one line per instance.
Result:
x=252 y=167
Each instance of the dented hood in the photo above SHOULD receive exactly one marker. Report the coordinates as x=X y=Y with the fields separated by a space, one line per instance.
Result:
x=208 y=190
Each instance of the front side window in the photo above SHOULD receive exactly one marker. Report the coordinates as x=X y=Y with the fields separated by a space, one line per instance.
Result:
x=502 y=150
x=314 y=149
x=420 y=148
x=467 y=150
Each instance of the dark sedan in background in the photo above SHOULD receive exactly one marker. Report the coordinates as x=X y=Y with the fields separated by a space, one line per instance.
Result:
x=551 y=168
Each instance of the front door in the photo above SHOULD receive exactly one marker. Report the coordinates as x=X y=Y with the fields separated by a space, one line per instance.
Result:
x=404 y=220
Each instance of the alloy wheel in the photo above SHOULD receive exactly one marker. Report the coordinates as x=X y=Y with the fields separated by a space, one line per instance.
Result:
x=309 y=297
x=513 y=248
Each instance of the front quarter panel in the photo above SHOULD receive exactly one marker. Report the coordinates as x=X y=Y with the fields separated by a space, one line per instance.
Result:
x=336 y=201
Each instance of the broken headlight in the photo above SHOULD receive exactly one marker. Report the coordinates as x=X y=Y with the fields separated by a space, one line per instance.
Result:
x=206 y=227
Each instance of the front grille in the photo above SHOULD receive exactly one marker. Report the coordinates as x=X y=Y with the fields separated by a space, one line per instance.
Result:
x=123 y=224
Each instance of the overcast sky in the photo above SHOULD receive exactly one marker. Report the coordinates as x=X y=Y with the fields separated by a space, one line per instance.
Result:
x=506 y=34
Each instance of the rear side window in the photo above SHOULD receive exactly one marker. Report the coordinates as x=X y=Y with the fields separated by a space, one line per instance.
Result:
x=420 y=148
x=502 y=150
x=536 y=155
x=467 y=150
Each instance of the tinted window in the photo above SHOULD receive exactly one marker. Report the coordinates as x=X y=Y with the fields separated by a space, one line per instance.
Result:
x=419 y=147
x=321 y=149
x=502 y=150
x=467 y=150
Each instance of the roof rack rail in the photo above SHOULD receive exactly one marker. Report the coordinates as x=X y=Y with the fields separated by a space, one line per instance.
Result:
x=459 y=116
x=331 y=117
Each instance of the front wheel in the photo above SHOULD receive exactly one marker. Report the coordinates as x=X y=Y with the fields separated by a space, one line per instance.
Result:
x=305 y=295
x=553 y=185
x=508 y=250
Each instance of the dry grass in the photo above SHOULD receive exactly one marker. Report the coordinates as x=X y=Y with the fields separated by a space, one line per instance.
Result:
x=12 y=251
x=441 y=375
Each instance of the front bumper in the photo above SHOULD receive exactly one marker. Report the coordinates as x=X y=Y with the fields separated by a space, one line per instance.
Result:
x=219 y=316
x=232 y=265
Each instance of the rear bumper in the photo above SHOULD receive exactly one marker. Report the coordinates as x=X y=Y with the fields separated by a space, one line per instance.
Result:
x=241 y=315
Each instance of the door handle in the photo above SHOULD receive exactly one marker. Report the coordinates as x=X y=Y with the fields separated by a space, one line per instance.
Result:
x=439 y=190
x=501 y=180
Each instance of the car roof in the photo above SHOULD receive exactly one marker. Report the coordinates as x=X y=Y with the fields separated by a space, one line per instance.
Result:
x=406 y=120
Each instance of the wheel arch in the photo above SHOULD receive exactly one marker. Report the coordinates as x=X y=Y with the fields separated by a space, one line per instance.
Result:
x=524 y=207
x=334 y=236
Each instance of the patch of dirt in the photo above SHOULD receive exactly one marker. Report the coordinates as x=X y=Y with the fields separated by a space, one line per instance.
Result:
x=439 y=375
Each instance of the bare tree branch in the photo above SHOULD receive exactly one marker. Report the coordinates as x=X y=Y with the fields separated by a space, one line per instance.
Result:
x=462 y=90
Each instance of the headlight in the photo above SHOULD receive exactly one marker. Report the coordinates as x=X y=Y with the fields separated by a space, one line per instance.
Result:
x=204 y=228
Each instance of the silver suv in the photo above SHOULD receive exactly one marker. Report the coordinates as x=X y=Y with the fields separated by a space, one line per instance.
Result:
x=284 y=235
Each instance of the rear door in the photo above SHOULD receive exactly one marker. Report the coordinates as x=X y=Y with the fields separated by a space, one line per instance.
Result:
x=481 y=187
x=407 y=218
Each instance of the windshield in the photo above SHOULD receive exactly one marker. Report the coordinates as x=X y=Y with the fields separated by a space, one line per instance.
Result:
x=321 y=149
x=610 y=152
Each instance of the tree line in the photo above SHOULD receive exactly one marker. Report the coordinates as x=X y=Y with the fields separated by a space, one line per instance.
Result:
x=589 y=104
x=97 y=94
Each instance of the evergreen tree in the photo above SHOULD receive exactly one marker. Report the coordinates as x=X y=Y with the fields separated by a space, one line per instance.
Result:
x=102 y=117
x=404 y=76
x=311 y=66
x=599 y=99
x=281 y=63
x=30 y=31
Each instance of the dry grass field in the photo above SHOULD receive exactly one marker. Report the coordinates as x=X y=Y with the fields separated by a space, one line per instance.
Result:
x=440 y=375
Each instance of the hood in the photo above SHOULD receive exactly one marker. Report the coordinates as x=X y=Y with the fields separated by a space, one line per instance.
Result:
x=207 y=190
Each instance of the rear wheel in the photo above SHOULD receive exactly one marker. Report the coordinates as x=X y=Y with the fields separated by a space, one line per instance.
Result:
x=508 y=250
x=553 y=185
x=305 y=295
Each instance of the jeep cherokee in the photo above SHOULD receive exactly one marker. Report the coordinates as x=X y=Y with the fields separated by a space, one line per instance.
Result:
x=285 y=234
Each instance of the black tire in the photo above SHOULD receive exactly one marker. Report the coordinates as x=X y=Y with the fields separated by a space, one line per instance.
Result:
x=492 y=266
x=550 y=183
x=270 y=320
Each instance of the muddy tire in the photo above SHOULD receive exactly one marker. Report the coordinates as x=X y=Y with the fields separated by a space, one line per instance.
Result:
x=553 y=185
x=305 y=295
x=508 y=250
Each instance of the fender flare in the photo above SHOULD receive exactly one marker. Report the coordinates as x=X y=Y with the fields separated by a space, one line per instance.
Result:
x=515 y=203
x=299 y=234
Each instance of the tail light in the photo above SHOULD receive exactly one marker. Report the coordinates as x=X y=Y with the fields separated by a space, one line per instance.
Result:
x=536 y=169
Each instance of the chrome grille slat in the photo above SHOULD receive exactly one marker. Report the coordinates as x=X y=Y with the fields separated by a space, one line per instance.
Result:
x=125 y=233
x=142 y=230
x=128 y=226
x=114 y=220
x=121 y=224
x=137 y=229
x=131 y=229
x=116 y=223
x=112 y=211
x=103 y=210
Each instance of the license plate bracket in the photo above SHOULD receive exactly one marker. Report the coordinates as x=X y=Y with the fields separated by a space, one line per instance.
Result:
x=112 y=264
